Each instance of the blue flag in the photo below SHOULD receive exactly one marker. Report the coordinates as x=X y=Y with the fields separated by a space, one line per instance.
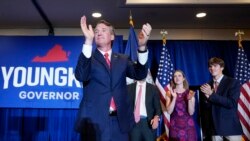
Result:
x=132 y=45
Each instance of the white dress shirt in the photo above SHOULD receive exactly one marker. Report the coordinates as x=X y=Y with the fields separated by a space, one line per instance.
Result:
x=87 y=51
x=143 y=111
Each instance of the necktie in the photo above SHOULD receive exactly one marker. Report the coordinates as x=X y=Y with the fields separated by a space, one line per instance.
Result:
x=137 y=105
x=112 y=102
x=112 y=106
x=216 y=84
x=106 y=56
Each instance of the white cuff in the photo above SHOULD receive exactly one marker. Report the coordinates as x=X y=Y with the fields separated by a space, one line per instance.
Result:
x=87 y=50
x=143 y=57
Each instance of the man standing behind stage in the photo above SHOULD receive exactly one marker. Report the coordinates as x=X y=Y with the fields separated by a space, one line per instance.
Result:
x=147 y=110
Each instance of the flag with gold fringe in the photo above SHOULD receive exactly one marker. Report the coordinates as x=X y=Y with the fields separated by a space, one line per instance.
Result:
x=132 y=45
x=164 y=76
x=242 y=73
x=131 y=49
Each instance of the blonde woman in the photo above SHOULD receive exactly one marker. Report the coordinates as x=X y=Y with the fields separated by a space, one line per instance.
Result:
x=181 y=106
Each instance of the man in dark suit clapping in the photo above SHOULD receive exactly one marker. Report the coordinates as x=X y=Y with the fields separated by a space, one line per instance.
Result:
x=220 y=104
x=106 y=112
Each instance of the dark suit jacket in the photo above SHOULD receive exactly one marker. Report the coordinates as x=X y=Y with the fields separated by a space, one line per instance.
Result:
x=100 y=84
x=152 y=100
x=221 y=108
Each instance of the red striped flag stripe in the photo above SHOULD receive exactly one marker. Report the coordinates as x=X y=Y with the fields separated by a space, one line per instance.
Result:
x=244 y=110
x=166 y=116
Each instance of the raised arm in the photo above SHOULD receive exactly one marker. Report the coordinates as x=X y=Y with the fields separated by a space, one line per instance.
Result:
x=170 y=102
x=87 y=31
x=191 y=102
x=144 y=36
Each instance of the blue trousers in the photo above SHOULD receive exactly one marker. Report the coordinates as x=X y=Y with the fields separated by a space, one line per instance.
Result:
x=110 y=133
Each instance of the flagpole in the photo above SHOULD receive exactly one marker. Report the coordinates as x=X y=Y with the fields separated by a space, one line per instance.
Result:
x=199 y=118
x=131 y=19
x=162 y=88
x=242 y=67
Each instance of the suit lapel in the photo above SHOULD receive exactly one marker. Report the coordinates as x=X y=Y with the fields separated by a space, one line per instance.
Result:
x=221 y=85
x=114 y=61
x=147 y=93
x=115 y=69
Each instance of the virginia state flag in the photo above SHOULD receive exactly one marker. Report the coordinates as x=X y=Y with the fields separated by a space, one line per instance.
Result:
x=132 y=45
x=131 y=51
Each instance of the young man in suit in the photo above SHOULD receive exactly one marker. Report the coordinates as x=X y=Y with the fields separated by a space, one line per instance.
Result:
x=220 y=104
x=147 y=110
x=105 y=112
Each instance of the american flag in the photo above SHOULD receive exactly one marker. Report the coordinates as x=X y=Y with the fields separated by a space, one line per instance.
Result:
x=242 y=73
x=165 y=72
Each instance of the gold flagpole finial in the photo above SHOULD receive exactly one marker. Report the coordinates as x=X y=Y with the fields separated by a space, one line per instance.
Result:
x=131 y=19
x=239 y=33
x=164 y=36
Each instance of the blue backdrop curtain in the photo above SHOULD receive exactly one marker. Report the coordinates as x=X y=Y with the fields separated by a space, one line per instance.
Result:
x=57 y=124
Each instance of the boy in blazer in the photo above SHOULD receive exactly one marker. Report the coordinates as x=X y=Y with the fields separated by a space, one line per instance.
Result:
x=220 y=104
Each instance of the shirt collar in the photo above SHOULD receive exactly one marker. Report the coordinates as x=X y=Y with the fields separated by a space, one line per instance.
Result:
x=139 y=83
x=109 y=52
x=218 y=80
